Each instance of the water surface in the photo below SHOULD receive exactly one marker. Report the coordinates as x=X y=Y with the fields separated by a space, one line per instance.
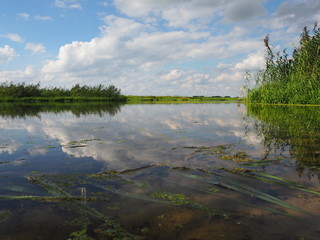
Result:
x=163 y=171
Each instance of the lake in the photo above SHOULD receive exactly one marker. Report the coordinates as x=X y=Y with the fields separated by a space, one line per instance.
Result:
x=159 y=171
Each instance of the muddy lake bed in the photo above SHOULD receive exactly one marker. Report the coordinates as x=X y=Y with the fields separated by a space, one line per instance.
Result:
x=159 y=171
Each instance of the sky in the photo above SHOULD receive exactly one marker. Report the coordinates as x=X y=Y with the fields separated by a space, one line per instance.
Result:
x=146 y=47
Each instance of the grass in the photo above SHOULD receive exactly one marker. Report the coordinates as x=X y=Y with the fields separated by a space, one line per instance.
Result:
x=179 y=99
x=290 y=79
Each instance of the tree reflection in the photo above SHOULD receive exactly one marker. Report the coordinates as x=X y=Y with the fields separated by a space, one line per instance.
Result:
x=12 y=110
x=296 y=128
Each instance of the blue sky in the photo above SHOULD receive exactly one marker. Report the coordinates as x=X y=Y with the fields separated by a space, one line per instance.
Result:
x=146 y=47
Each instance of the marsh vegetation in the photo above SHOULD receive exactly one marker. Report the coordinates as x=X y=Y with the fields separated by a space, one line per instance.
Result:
x=21 y=92
x=292 y=79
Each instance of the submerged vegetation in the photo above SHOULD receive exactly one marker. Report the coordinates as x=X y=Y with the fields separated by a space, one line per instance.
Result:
x=290 y=79
x=88 y=196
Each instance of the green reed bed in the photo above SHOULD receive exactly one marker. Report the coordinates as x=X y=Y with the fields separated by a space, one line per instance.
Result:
x=290 y=79
x=21 y=92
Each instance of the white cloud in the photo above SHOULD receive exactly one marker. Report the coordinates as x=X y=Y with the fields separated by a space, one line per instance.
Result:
x=35 y=48
x=7 y=54
x=178 y=13
x=68 y=4
x=28 y=75
x=169 y=47
x=254 y=61
x=27 y=16
x=14 y=37
x=43 y=18
x=131 y=55
x=24 y=16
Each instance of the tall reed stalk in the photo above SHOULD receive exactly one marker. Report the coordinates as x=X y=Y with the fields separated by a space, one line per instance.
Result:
x=293 y=80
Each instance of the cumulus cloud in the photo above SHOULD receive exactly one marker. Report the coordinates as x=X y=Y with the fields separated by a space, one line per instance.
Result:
x=28 y=75
x=124 y=44
x=186 y=47
x=7 y=53
x=35 y=48
x=254 y=61
x=131 y=55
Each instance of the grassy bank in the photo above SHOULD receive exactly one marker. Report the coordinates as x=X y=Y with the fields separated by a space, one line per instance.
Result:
x=290 y=79
x=125 y=99
x=179 y=99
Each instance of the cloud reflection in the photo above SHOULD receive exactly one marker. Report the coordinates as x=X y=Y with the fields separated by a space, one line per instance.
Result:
x=138 y=135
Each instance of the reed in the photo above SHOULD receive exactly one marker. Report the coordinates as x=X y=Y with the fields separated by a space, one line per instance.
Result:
x=21 y=92
x=290 y=79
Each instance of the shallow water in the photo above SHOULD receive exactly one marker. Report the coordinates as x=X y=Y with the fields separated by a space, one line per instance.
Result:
x=163 y=171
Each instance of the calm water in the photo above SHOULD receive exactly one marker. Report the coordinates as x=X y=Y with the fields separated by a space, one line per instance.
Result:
x=165 y=171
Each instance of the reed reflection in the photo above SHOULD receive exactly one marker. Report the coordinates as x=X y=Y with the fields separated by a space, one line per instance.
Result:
x=296 y=128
